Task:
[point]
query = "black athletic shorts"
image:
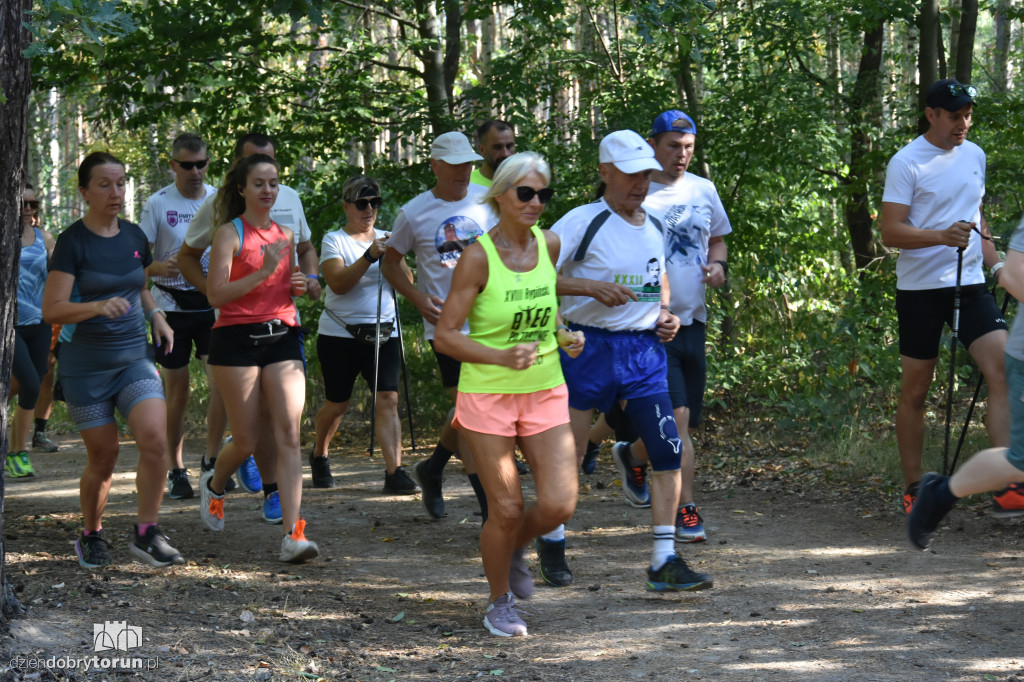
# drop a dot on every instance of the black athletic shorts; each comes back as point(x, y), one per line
point(449, 366)
point(189, 328)
point(688, 369)
point(922, 314)
point(343, 359)
point(232, 347)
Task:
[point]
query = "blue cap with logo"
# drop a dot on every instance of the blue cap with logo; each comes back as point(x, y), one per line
point(673, 121)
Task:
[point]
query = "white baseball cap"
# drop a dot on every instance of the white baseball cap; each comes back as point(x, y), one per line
point(628, 152)
point(453, 148)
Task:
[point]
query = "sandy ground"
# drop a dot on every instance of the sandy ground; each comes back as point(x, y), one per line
point(813, 581)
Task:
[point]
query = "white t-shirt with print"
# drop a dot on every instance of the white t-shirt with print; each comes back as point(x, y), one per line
point(287, 212)
point(166, 217)
point(437, 231)
point(691, 213)
point(359, 304)
point(941, 186)
point(620, 253)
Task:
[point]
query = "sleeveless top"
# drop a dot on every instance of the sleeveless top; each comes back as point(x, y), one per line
point(271, 299)
point(513, 308)
point(32, 281)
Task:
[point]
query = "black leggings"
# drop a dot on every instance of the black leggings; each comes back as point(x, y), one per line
point(31, 353)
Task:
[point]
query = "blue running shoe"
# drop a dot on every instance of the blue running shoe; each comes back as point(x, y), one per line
point(676, 576)
point(689, 525)
point(634, 478)
point(272, 509)
point(249, 476)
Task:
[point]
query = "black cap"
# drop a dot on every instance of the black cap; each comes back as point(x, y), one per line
point(950, 94)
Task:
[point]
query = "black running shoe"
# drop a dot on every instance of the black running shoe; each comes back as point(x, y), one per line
point(553, 567)
point(321, 470)
point(676, 576)
point(399, 483)
point(589, 464)
point(42, 443)
point(522, 468)
point(430, 484)
point(154, 548)
point(927, 512)
point(178, 485)
point(93, 551)
point(204, 465)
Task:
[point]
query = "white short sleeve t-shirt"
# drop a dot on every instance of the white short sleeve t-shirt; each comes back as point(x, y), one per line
point(287, 212)
point(692, 213)
point(166, 217)
point(437, 231)
point(359, 304)
point(941, 187)
point(620, 253)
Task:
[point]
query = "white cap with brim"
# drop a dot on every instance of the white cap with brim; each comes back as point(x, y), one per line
point(453, 148)
point(628, 152)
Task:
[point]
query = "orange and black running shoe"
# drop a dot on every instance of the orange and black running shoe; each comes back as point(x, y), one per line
point(910, 496)
point(1009, 502)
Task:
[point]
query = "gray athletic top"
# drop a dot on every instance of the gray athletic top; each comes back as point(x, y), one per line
point(1015, 344)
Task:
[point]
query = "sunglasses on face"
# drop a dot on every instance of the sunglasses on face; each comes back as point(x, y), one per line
point(361, 204)
point(526, 194)
point(956, 90)
point(189, 165)
point(34, 205)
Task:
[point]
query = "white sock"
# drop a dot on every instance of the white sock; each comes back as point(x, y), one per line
point(664, 545)
point(557, 535)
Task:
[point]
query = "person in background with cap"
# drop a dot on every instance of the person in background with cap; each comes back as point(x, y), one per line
point(437, 225)
point(931, 208)
point(606, 247)
point(695, 258)
point(496, 141)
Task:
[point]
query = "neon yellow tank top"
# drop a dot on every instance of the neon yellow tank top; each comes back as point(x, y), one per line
point(513, 308)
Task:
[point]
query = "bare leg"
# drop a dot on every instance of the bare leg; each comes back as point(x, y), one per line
point(101, 444)
point(551, 456)
point(176, 389)
point(389, 430)
point(148, 422)
point(216, 415)
point(917, 379)
point(240, 388)
point(579, 423)
point(988, 470)
point(988, 352)
point(283, 387)
point(328, 419)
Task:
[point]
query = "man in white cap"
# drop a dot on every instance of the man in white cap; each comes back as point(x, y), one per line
point(603, 264)
point(437, 225)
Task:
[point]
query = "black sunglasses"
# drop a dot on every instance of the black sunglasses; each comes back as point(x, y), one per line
point(361, 204)
point(526, 194)
point(189, 165)
point(31, 204)
point(956, 90)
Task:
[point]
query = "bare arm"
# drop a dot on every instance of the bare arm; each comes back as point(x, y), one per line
point(605, 292)
point(898, 233)
point(58, 308)
point(341, 276)
point(164, 268)
point(191, 267)
point(399, 277)
point(309, 265)
point(1011, 277)
point(714, 271)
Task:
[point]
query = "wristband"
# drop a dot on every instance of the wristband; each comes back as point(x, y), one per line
point(994, 270)
point(369, 259)
point(154, 311)
point(561, 327)
point(312, 276)
point(725, 266)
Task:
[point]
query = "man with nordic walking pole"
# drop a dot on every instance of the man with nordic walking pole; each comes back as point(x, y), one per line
point(931, 211)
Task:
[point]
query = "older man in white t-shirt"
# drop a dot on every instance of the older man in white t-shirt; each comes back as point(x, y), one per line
point(437, 225)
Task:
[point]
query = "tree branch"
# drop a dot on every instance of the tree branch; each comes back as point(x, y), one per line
point(377, 10)
point(604, 44)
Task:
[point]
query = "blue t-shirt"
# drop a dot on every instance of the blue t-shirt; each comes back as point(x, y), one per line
point(104, 267)
point(1015, 344)
point(32, 281)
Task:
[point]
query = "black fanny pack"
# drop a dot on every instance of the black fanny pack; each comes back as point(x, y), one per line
point(266, 333)
point(186, 299)
point(366, 333)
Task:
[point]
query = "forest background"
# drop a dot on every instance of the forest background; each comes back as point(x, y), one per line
point(799, 105)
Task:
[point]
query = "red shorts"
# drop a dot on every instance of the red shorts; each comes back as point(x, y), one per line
point(512, 414)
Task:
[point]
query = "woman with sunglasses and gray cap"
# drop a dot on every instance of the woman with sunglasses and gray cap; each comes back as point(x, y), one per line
point(511, 390)
point(358, 304)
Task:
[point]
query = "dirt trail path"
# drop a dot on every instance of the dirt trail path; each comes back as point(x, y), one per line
point(810, 584)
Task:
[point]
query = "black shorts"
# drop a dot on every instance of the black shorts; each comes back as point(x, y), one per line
point(189, 328)
point(922, 313)
point(233, 347)
point(343, 359)
point(688, 370)
point(449, 366)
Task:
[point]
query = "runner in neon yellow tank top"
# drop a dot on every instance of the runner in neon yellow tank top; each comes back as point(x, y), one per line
point(511, 389)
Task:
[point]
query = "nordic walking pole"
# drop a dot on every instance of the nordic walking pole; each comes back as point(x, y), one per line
point(955, 328)
point(977, 392)
point(376, 361)
point(405, 373)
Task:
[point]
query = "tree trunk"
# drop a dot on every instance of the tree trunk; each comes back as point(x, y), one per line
point(865, 109)
point(964, 45)
point(15, 86)
point(1001, 53)
point(438, 103)
point(927, 55)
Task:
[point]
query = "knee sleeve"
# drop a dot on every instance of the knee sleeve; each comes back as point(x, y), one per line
point(652, 418)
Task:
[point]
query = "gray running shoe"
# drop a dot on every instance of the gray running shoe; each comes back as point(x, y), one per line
point(502, 619)
point(295, 548)
point(519, 579)
point(211, 505)
point(154, 548)
point(634, 478)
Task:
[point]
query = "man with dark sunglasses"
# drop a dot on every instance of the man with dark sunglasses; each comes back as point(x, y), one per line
point(165, 220)
point(931, 211)
point(437, 225)
point(496, 141)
